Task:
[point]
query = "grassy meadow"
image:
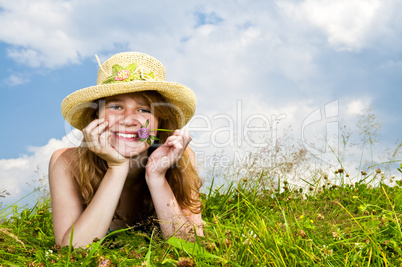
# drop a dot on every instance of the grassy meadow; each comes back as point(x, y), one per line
point(245, 225)
point(258, 214)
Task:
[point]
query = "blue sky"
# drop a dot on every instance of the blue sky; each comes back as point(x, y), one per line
point(276, 57)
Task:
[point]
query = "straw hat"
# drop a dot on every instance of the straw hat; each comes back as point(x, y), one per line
point(124, 73)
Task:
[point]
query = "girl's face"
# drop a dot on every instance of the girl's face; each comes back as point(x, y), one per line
point(126, 114)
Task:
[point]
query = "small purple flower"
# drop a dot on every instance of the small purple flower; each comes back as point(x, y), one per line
point(143, 133)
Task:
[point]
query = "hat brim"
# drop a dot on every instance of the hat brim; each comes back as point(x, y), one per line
point(76, 106)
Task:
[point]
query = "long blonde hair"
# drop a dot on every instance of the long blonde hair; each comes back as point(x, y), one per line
point(182, 176)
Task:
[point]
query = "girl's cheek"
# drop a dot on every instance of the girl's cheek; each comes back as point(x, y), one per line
point(113, 119)
point(153, 122)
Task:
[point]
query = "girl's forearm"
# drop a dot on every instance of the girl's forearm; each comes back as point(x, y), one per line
point(96, 218)
point(171, 217)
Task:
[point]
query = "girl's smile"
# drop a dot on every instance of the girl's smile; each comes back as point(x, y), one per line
point(127, 136)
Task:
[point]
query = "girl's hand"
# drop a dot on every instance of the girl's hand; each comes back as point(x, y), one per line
point(169, 153)
point(97, 137)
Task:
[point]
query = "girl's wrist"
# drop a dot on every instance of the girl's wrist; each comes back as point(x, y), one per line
point(123, 162)
point(154, 179)
point(123, 166)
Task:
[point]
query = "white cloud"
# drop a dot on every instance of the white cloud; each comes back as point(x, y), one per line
point(348, 24)
point(19, 176)
point(357, 107)
point(54, 33)
point(16, 79)
point(61, 32)
point(345, 22)
point(39, 32)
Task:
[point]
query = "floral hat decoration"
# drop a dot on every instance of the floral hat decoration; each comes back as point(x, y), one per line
point(123, 73)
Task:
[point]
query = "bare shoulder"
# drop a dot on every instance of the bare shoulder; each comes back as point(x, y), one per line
point(63, 161)
point(65, 153)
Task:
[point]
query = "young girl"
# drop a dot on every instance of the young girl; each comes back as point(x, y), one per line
point(121, 176)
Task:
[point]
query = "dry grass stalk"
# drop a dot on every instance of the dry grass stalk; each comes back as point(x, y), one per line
point(5, 231)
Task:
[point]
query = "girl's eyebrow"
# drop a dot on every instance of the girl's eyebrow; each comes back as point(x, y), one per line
point(140, 101)
point(113, 100)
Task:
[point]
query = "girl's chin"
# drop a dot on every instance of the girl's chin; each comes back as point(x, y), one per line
point(130, 152)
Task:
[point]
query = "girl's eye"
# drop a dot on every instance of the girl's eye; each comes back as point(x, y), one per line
point(115, 107)
point(144, 110)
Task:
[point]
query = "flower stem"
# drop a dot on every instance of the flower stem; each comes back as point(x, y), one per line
point(161, 130)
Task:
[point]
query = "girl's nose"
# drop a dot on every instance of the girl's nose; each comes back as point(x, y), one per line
point(131, 121)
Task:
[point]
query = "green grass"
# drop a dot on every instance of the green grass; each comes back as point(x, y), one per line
point(244, 226)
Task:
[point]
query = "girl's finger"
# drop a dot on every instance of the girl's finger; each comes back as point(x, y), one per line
point(178, 132)
point(172, 139)
point(187, 137)
point(93, 137)
point(177, 143)
point(101, 128)
point(93, 124)
point(104, 139)
point(181, 132)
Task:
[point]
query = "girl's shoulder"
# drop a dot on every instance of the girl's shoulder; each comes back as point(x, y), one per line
point(65, 159)
point(67, 155)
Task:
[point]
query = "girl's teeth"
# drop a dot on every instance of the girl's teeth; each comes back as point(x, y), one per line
point(127, 135)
